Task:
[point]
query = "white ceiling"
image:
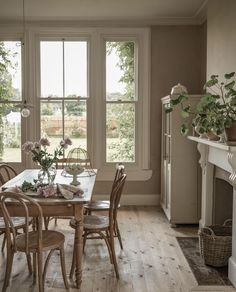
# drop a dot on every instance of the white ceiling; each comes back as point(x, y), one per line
point(153, 11)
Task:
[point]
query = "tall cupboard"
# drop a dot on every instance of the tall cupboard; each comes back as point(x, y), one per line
point(180, 197)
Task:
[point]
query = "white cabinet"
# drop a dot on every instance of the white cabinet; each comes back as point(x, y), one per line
point(179, 169)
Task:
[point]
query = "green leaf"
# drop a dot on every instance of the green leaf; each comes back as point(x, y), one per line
point(184, 129)
point(168, 109)
point(230, 85)
point(211, 83)
point(184, 114)
point(229, 75)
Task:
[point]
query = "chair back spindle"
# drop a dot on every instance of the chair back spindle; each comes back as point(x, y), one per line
point(115, 197)
point(24, 203)
point(6, 173)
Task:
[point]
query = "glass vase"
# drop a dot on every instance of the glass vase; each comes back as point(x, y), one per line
point(46, 176)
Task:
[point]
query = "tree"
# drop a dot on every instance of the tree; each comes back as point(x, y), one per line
point(6, 88)
point(125, 52)
point(121, 123)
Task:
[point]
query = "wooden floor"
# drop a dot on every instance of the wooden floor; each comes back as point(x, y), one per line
point(150, 262)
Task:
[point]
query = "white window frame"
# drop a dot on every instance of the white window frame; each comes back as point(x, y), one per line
point(96, 130)
point(65, 38)
point(140, 170)
point(11, 36)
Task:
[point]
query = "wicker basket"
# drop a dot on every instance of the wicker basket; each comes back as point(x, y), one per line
point(216, 244)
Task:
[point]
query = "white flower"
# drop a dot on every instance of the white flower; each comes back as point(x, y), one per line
point(68, 141)
point(37, 145)
point(28, 146)
point(44, 142)
point(63, 144)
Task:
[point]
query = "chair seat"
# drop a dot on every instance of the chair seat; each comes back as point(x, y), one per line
point(98, 205)
point(93, 222)
point(50, 240)
point(18, 222)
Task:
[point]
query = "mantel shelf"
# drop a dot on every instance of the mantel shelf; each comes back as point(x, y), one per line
point(215, 144)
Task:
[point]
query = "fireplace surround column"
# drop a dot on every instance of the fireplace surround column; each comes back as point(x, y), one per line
point(224, 156)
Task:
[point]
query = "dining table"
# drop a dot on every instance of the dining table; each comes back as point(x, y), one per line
point(59, 206)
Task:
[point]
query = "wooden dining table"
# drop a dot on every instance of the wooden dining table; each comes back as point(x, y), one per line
point(59, 206)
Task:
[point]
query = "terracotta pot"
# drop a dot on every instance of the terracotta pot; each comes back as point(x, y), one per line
point(230, 133)
point(212, 136)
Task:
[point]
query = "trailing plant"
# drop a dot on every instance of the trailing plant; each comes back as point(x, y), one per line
point(216, 109)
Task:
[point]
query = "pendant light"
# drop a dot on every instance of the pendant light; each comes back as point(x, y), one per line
point(25, 107)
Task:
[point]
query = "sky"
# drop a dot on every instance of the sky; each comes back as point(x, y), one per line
point(75, 70)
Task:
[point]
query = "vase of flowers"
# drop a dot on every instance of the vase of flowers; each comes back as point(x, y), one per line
point(46, 160)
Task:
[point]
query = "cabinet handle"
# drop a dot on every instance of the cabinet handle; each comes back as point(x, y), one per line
point(69, 205)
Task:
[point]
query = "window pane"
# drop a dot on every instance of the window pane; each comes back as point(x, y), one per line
point(76, 123)
point(76, 69)
point(51, 123)
point(120, 133)
point(51, 65)
point(120, 71)
point(10, 133)
point(10, 71)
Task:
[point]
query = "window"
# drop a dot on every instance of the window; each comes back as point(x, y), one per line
point(10, 95)
point(93, 86)
point(63, 91)
point(121, 101)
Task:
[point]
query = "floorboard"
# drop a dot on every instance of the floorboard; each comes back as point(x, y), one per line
point(151, 261)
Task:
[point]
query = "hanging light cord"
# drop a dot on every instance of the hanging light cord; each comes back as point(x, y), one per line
point(23, 7)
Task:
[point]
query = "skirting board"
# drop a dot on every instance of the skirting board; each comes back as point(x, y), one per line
point(134, 199)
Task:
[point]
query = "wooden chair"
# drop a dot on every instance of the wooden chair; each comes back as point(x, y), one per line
point(103, 225)
point(36, 241)
point(73, 157)
point(104, 205)
point(6, 173)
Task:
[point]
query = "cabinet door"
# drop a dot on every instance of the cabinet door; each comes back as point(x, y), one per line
point(166, 159)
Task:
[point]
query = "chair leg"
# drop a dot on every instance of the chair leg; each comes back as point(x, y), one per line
point(4, 241)
point(46, 222)
point(55, 221)
point(111, 241)
point(34, 268)
point(28, 257)
point(63, 266)
point(118, 234)
point(106, 238)
point(10, 255)
point(40, 271)
point(46, 264)
point(72, 269)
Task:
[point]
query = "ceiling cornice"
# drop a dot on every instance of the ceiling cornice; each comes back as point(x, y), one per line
point(111, 23)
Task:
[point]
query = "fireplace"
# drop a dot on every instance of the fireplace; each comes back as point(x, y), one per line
point(218, 196)
point(222, 208)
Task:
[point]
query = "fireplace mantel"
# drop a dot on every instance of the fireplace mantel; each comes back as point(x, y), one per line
point(223, 156)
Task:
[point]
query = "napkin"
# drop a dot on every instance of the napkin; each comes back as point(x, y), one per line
point(69, 191)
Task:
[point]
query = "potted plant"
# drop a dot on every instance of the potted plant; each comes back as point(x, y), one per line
point(216, 110)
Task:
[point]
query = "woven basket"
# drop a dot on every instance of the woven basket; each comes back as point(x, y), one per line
point(216, 244)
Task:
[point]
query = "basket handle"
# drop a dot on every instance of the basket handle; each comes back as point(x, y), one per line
point(228, 222)
point(209, 229)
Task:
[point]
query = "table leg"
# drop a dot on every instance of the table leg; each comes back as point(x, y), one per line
point(78, 244)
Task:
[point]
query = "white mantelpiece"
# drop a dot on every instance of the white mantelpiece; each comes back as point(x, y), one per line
point(224, 156)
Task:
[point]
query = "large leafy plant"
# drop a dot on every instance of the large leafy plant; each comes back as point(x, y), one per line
point(216, 109)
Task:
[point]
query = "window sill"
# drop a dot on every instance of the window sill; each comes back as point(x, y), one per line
point(132, 175)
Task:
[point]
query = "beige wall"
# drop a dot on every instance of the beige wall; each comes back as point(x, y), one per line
point(177, 55)
point(221, 37)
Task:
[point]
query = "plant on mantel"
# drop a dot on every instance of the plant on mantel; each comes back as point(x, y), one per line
point(216, 110)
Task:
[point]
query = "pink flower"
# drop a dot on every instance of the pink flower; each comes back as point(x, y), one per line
point(28, 146)
point(44, 142)
point(68, 141)
point(63, 144)
point(37, 145)
point(47, 191)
